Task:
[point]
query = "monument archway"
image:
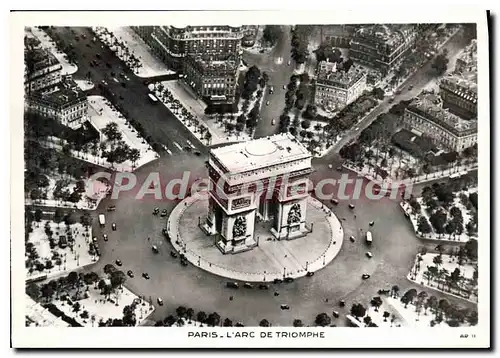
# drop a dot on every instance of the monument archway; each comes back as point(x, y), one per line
point(266, 179)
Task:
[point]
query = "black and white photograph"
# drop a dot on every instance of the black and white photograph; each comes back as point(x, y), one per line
point(250, 179)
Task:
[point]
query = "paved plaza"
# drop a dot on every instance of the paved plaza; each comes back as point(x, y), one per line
point(271, 259)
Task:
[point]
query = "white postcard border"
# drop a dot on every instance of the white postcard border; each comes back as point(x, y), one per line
point(178, 337)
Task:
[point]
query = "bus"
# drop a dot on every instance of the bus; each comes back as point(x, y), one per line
point(369, 238)
point(102, 220)
point(152, 98)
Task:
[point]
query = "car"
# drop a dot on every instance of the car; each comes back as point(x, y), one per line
point(156, 211)
point(267, 103)
point(288, 279)
point(105, 236)
point(372, 222)
point(351, 206)
point(145, 275)
point(391, 99)
point(184, 263)
point(97, 55)
point(97, 251)
point(248, 285)
point(271, 90)
point(173, 254)
point(111, 208)
point(365, 276)
point(410, 87)
point(118, 262)
point(113, 226)
point(335, 314)
point(263, 287)
point(232, 285)
point(284, 86)
point(160, 301)
point(288, 63)
point(309, 274)
point(121, 97)
point(339, 169)
point(104, 82)
point(130, 273)
point(276, 294)
point(352, 238)
point(285, 307)
point(384, 292)
point(123, 84)
point(277, 280)
point(164, 212)
point(94, 239)
point(342, 303)
point(369, 255)
point(398, 91)
point(154, 248)
point(197, 152)
point(273, 121)
point(356, 128)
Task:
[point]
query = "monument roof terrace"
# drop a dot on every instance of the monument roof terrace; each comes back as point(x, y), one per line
point(260, 153)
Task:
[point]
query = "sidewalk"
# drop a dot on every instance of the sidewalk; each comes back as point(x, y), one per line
point(46, 41)
point(149, 66)
point(415, 180)
point(186, 98)
point(296, 266)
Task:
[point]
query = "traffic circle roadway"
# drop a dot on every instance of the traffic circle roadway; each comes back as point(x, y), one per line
point(393, 249)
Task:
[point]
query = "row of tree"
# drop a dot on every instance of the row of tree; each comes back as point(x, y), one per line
point(442, 309)
point(300, 41)
point(184, 314)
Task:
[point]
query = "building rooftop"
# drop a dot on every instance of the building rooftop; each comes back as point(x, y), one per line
point(389, 34)
point(40, 57)
point(330, 74)
point(462, 84)
point(441, 116)
point(206, 64)
point(469, 54)
point(64, 92)
point(260, 153)
point(37, 315)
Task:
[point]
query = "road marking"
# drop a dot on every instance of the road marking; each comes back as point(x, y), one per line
point(167, 150)
point(178, 146)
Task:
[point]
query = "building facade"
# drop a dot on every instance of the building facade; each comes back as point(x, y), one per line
point(41, 70)
point(459, 94)
point(382, 46)
point(172, 44)
point(444, 128)
point(264, 179)
point(335, 88)
point(215, 81)
point(65, 102)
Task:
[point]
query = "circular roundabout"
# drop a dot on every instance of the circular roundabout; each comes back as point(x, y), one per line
point(271, 260)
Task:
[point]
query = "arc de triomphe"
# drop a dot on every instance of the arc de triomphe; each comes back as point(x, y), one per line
point(265, 179)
